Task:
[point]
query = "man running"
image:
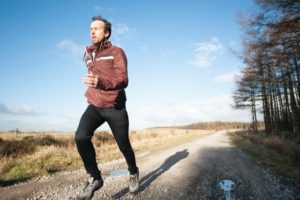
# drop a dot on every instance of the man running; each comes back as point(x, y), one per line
point(106, 80)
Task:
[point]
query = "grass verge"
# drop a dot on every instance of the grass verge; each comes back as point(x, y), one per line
point(279, 154)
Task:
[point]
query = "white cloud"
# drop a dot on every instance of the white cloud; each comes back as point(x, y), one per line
point(205, 53)
point(26, 118)
point(208, 109)
point(216, 108)
point(20, 110)
point(70, 48)
point(122, 31)
point(39, 123)
point(227, 77)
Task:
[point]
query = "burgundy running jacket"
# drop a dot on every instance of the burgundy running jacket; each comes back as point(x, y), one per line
point(110, 64)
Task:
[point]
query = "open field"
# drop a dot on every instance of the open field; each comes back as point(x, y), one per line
point(28, 155)
point(207, 167)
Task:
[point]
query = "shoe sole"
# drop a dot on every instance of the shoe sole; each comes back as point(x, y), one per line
point(90, 196)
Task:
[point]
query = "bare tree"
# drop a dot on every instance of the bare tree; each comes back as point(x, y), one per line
point(271, 53)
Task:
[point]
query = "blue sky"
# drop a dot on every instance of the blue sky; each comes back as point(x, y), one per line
point(179, 63)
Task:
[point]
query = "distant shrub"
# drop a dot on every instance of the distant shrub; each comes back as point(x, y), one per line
point(219, 125)
point(255, 139)
point(153, 135)
point(28, 144)
point(275, 143)
point(68, 142)
point(280, 146)
point(103, 137)
point(47, 140)
point(15, 148)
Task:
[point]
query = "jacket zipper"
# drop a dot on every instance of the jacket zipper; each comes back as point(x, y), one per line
point(89, 56)
point(100, 51)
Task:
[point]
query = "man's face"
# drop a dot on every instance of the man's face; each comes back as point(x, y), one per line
point(97, 31)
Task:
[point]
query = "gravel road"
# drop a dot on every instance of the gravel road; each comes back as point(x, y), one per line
point(209, 167)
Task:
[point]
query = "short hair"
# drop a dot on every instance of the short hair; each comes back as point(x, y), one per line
point(106, 22)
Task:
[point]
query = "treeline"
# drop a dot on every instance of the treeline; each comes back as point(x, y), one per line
point(218, 125)
point(270, 82)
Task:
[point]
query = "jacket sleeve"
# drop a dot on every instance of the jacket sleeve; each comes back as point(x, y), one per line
point(120, 78)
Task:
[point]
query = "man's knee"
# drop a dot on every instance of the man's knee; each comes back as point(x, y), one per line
point(82, 137)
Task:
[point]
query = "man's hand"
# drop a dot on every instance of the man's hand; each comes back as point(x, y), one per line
point(91, 80)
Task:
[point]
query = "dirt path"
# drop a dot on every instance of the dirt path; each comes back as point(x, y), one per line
point(210, 167)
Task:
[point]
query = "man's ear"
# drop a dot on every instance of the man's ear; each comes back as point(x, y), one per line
point(106, 34)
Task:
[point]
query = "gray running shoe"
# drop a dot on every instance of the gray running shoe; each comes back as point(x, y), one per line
point(89, 189)
point(134, 183)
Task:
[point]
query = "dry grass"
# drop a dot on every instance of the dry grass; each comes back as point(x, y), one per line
point(280, 154)
point(28, 144)
point(283, 147)
point(31, 154)
point(221, 125)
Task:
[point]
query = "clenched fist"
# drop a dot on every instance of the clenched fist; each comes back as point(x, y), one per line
point(91, 80)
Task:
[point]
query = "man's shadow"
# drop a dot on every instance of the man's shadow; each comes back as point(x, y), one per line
point(149, 178)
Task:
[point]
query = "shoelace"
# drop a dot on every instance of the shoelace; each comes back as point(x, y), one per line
point(133, 178)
